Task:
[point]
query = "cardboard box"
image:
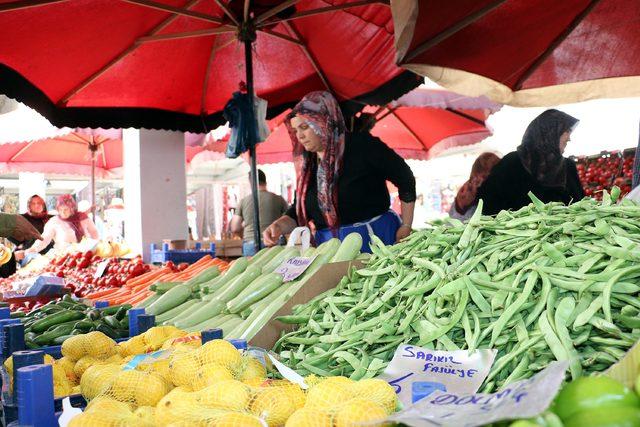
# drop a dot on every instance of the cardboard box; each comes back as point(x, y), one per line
point(327, 277)
point(228, 248)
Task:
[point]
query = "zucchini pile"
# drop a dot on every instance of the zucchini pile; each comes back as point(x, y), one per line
point(56, 321)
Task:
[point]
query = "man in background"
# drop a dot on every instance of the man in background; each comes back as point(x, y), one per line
point(272, 207)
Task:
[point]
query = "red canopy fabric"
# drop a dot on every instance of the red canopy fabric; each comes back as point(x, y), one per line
point(70, 155)
point(173, 64)
point(523, 53)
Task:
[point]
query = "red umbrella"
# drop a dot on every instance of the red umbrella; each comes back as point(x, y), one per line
point(173, 64)
point(523, 53)
point(420, 125)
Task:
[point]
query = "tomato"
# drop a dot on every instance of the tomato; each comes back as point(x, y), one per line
point(593, 393)
point(170, 264)
point(183, 266)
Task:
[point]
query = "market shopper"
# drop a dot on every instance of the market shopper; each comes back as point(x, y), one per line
point(537, 166)
point(466, 200)
point(69, 227)
point(341, 178)
point(272, 207)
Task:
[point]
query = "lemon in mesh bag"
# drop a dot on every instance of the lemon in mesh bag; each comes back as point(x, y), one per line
point(94, 344)
point(105, 412)
point(250, 369)
point(159, 367)
point(155, 337)
point(138, 388)
point(96, 379)
point(237, 419)
point(228, 394)
point(191, 340)
point(360, 413)
point(295, 393)
point(310, 417)
point(68, 366)
point(84, 363)
point(330, 393)
point(145, 416)
point(273, 405)
point(377, 391)
point(183, 367)
point(132, 346)
point(209, 374)
point(180, 407)
point(220, 352)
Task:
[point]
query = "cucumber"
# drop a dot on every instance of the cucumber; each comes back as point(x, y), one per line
point(186, 313)
point(42, 325)
point(173, 298)
point(109, 311)
point(83, 325)
point(170, 314)
point(108, 331)
point(258, 289)
point(238, 284)
point(111, 321)
point(61, 339)
point(48, 337)
point(281, 257)
point(203, 312)
point(349, 248)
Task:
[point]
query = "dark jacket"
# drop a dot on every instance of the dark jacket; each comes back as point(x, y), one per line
point(507, 187)
point(368, 163)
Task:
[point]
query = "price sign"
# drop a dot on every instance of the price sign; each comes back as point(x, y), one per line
point(293, 268)
point(102, 267)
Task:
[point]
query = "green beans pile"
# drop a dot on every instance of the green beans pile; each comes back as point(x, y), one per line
point(547, 282)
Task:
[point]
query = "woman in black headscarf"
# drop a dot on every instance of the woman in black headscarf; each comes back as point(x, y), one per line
point(537, 166)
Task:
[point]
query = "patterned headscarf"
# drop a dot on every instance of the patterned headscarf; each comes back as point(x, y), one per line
point(76, 217)
point(321, 111)
point(540, 148)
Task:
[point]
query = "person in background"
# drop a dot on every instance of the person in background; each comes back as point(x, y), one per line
point(341, 178)
point(537, 165)
point(466, 200)
point(69, 227)
point(271, 206)
point(37, 215)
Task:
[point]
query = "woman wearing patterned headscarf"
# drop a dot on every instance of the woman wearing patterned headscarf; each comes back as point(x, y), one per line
point(341, 178)
point(69, 227)
point(537, 166)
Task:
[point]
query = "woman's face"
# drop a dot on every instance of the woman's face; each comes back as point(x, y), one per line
point(564, 140)
point(36, 205)
point(306, 136)
point(64, 211)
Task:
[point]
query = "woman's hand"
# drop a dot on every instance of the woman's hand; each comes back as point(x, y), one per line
point(19, 255)
point(272, 234)
point(403, 232)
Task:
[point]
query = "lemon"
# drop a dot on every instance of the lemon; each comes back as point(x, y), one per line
point(378, 391)
point(236, 419)
point(75, 347)
point(273, 405)
point(309, 417)
point(210, 374)
point(359, 411)
point(251, 369)
point(149, 391)
point(221, 352)
point(97, 379)
point(183, 368)
point(83, 364)
point(105, 404)
point(329, 393)
point(98, 345)
point(227, 394)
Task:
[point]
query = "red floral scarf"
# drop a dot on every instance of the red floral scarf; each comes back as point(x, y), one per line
point(322, 112)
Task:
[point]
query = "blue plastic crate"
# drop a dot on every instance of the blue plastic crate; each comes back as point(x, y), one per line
point(189, 256)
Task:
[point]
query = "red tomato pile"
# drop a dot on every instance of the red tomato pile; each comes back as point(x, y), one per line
point(604, 171)
point(79, 269)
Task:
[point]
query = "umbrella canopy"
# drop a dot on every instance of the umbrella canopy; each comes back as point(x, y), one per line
point(70, 154)
point(173, 64)
point(419, 125)
point(523, 53)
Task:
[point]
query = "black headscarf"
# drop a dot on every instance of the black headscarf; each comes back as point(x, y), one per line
point(539, 151)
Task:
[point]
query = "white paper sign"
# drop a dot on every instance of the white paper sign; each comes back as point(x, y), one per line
point(293, 268)
point(522, 399)
point(417, 372)
point(102, 267)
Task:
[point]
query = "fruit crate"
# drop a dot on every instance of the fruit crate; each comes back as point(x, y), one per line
point(160, 256)
point(35, 404)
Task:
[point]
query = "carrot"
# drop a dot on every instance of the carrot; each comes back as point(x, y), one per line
point(147, 276)
point(140, 297)
point(98, 294)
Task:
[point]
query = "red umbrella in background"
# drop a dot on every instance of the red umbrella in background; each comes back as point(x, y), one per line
point(523, 53)
point(419, 125)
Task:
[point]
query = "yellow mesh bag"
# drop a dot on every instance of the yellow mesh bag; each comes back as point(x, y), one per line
point(359, 412)
point(250, 369)
point(310, 417)
point(237, 419)
point(137, 388)
point(68, 367)
point(132, 346)
point(330, 393)
point(95, 344)
point(210, 374)
point(230, 395)
point(220, 352)
point(377, 391)
point(97, 379)
point(273, 405)
point(155, 337)
point(183, 367)
point(104, 412)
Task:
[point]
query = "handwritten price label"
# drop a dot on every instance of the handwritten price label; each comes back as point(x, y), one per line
point(293, 268)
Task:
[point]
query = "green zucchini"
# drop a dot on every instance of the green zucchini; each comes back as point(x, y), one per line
point(281, 257)
point(204, 311)
point(238, 284)
point(55, 319)
point(173, 298)
point(257, 290)
point(349, 248)
point(146, 303)
point(268, 256)
point(185, 314)
point(170, 314)
point(204, 276)
point(236, 268)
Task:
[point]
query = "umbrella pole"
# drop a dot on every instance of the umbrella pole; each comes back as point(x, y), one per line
point(248, 36)
point(93, 148)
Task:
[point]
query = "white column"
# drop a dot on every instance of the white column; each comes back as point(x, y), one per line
point(30, 184)
point(155, 188)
